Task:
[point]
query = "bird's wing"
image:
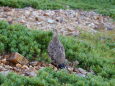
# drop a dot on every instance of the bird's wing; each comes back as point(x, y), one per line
point(50, 51)
point(62, 48)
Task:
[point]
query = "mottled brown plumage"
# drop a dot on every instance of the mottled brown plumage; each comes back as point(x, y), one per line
point(56, 50)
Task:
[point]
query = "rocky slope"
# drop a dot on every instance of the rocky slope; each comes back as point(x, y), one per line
point(68, 22)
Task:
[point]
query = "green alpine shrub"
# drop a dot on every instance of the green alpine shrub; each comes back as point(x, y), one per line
point(93, 51)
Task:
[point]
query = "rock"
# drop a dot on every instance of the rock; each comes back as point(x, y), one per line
point(63, 19)
point(39, 18)
point(18, 65)
point(108, 28)
point(6, 56)
point(34, 13)
point(1, 68)
point(10, 13)
point(27, 13)
point(55, 68)
point(24, 67)
point(59, 19)
point(8, 67)
point(17, 58)
point(45, 14)
point(1, 64)
point(6, 9)
point(92, 25)
point(5, 73)
point(3, 61)
point(32, 74)
point(50, 21)
point(99, 26)
point(22, 21)
point(82, 71)
point(15, 69)
point(81, 75)
point(34, 63)
point(76, 70)
point(38, 23)
point(92, 31)
point(70, 69)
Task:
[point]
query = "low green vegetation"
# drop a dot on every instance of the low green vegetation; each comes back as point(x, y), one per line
point(17, 38)
point(48, 77)
point(93, 51)
point(105, 7)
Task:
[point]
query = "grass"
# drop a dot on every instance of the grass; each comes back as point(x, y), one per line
point(105, 7)
point(49, 77)
point(93, 51)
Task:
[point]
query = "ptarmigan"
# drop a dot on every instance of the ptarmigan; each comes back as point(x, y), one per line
point(56, 51)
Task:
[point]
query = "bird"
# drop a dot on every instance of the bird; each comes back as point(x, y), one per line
point(56, 51)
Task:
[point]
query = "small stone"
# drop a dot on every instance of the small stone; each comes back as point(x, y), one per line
point(35, 13)
point(76, 70)
point(22, 21)
point(92, 31)
point(38, 23)
point(10, 13)
point(6, 56)
point(16, 69)
point(50, 21)
point(4, 61)
point(39, 18)
point(8, 67)
point(17, 58)
point(27, 13)
point(1, 67)
point(5, 73)
point(34, 63)
point(82, 71)
point(99, 26)
point(1, 64)
point(18, 65)
point(30, 66)
point(55, 68)
point(108, 28)
point(91, 25)
point(70, 29)
point(45, 14)
point(70, 69)
point(25, 67)
point(32, 74)
point(6, 9)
